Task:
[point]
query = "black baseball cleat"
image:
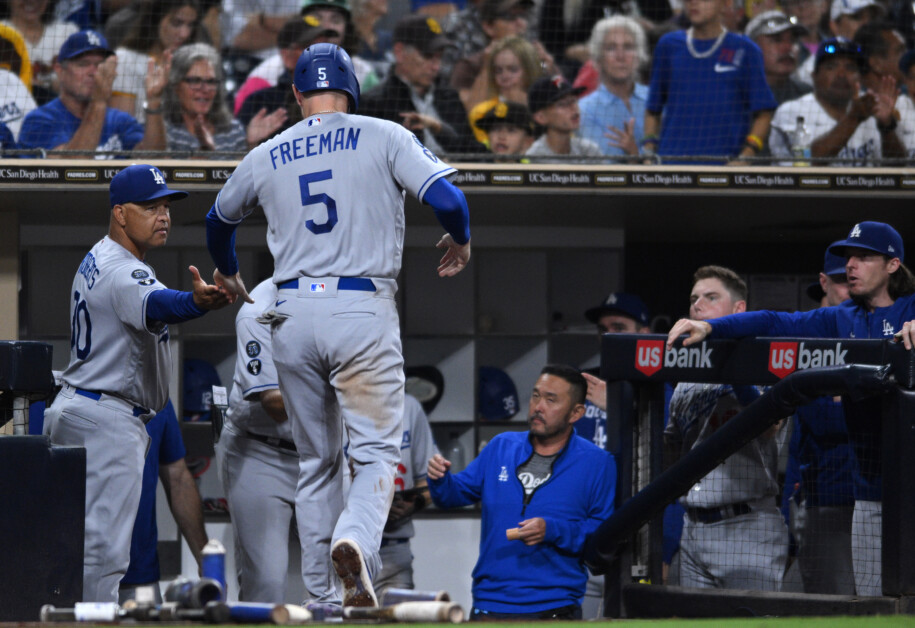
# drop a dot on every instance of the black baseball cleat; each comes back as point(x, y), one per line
point(350, 566)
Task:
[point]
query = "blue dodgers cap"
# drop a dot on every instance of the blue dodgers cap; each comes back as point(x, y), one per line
point(620, 303)
point(833, 266)
point(872, 236)
point(498, 395)
point(82, 42)
point(138, 183)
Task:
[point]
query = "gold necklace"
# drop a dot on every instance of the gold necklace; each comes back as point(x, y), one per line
point(317, 112)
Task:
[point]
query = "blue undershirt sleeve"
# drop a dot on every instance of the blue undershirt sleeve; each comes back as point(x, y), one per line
point(221, 243)
point(172, 306)
point(450, 207)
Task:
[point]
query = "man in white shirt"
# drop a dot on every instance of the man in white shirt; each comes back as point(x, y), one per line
point(857, 126)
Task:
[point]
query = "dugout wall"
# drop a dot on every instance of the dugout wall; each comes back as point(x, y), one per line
point(877, 374)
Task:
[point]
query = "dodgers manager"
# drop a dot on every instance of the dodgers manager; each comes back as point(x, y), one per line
point(332, 188)
point(120, 362)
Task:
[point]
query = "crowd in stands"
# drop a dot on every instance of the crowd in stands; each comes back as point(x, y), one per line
point(795, 82)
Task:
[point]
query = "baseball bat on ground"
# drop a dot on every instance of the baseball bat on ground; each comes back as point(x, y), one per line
point(394, 595)
point(258, 613)
point(421, 612)
point(298, 614)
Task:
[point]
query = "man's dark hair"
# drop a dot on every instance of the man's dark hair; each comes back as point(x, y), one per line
point(579, 387)
point(732, 282)
point(871, 41)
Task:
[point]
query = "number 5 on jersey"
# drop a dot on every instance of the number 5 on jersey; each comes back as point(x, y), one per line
point(312, 199)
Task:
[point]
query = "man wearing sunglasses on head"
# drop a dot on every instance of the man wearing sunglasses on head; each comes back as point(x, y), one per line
point(844, 121)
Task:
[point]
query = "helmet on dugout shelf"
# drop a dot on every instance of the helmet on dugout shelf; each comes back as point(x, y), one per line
point(327, 67)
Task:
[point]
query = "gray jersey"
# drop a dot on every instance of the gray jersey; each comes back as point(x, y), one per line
point(316, 218)
point(254, 369)
point(113, 347)
point(415, 450)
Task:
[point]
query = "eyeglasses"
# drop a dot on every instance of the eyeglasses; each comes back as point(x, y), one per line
point(197, 82)
point(842, 48)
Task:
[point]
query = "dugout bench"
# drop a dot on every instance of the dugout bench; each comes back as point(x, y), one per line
point(42, 495)
point(875, 378)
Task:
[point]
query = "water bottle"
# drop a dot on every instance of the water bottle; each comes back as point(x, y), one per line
point(455, 452)
point(214, 562)
point(800, 143)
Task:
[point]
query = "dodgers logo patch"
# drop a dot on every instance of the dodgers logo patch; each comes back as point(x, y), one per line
point(139, 274)
point(317, 287)
point(254, 367)
point(253, 349)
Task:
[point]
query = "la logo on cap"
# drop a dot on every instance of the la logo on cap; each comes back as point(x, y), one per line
point(855, 232)
point(93, 38)
point(157, 176)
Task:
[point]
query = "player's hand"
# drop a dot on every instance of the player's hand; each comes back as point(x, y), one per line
point(264, 124)
point(438, 466)
point(104, 79)
point(696, 330)
point(400, 510)
point(206, 296)
point(233, 286)
point(906, 335)
point(862, 104)
point(455, 258)
point(597, 391)
point(532, 531)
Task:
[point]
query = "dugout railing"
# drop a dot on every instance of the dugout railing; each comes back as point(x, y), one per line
point(875, 378)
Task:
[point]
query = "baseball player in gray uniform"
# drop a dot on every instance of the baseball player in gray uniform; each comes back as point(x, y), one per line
point(257, 459)
point(119, 367)
point(412, 495)
point(733, 536)
point(332, 189)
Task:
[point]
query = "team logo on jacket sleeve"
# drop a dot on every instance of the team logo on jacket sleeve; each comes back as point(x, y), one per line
point(254, 367)
point(253, 349)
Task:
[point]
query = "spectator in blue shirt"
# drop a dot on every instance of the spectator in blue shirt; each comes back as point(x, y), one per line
point(710, 86)
point(613, 116)
point(80, 118)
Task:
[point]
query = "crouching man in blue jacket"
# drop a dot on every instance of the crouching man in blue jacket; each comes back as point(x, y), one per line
point(542, 492)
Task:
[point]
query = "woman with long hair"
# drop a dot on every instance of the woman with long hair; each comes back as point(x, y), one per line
point(197, 117)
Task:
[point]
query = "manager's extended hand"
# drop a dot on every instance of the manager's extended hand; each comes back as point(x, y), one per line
point(696, 331)
point(206, 296)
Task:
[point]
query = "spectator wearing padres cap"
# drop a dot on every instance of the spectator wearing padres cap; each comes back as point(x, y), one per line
point(411, 95)
point(857, 127)
point(777, 37)
point(80, 118)
point(554, 104)
point(510, 130)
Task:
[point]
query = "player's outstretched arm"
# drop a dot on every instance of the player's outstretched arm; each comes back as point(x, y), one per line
point(455, 258)
point(207, 296)
point(437, 467)
point(233, 286)
point(696, 330)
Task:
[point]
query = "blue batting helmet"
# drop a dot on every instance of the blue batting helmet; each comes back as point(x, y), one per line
point(327, 66)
